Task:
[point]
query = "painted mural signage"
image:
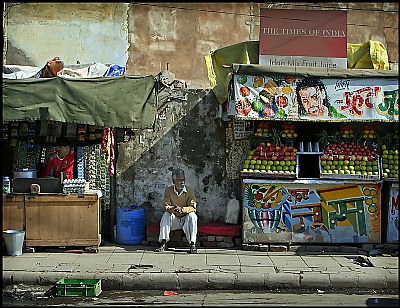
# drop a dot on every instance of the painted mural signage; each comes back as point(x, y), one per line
point(393, 215)
point(312, 213)
point(313, 98)
point(243, 129)
point(310, 38)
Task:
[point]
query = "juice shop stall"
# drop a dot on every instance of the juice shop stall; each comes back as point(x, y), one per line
point(322, 147)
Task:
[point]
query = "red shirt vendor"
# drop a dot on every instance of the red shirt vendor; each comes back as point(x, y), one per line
point(60, 161)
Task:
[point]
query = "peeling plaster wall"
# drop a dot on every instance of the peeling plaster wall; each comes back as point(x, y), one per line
point(189, 135)
point(181, 34)
point(85, 32)
point(158, 33)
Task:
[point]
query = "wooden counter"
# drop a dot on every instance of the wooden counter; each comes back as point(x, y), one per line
point(58, 220)
point(13, 212)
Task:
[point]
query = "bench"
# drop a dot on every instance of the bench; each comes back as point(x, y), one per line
point(215, 234)
point(215, 228)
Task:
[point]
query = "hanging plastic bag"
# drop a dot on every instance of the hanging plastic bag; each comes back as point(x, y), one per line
point(232, 211)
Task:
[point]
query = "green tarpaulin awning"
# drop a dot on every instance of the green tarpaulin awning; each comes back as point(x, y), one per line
point(124, 101)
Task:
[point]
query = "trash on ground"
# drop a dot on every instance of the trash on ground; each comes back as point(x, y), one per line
point(320, 291)
point(363, 261)
point(170, 293)
point(135, 266)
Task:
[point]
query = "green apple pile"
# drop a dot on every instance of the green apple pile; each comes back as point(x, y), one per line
point(288, 131)
point(347, 131)
point(390, 162)
point(368, 132)
point(263, 129)
point(271, 158)
point(349, 158)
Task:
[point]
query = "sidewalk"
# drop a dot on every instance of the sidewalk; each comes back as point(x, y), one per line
point(139, 268)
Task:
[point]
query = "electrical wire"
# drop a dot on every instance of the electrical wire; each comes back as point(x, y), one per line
point(258, 15)
point(9, 7)
point(278, 3)
point(232, 35)
point(347, 9)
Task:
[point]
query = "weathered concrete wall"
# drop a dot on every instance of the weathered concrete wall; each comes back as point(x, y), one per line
point(187, 134)
point(147, 36)
point(183, 33)
point(85, 32)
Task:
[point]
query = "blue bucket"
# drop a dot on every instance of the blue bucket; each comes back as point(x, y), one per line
point(130, 225)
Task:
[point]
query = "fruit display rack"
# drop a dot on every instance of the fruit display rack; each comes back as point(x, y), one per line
point(265, 175)
point(390, 162)
point(350, 160)
point(351, 176)
point(348, 154)
point(269, 157)
point(270, 160)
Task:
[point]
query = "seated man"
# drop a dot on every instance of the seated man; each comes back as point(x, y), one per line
point(180, 212)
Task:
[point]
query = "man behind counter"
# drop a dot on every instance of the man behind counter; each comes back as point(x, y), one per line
point(60, 161)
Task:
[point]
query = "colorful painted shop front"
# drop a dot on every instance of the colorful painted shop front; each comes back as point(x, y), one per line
point(393, 214)
point(311, 211)
point(322, 146)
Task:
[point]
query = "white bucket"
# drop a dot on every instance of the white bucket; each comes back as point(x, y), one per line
point(14, 240)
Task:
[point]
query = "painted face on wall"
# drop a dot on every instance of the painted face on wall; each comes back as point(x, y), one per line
point(312, 99)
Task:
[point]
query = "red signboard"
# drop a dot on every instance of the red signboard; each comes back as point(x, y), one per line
point(303, 38)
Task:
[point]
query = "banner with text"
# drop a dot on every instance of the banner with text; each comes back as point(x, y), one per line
point(310, 38)
point(313, 98)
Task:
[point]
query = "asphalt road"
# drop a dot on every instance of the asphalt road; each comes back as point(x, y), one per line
point(33, 296)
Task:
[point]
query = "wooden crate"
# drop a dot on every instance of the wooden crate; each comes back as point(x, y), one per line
point(13, 212)
point(62, 220)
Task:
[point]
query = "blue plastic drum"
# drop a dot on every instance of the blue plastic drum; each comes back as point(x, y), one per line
point(130, 225)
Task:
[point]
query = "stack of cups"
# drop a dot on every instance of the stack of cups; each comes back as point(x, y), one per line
point(301, 146)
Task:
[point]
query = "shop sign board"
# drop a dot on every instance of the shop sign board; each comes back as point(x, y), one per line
point(276, 212)
point(243, 129)
point(311, 38)
point(279, 96)
point(393, 214)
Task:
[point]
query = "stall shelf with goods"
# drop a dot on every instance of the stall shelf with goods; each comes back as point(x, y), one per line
point(32, 198)
point(89, 117)
point(323, 145)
